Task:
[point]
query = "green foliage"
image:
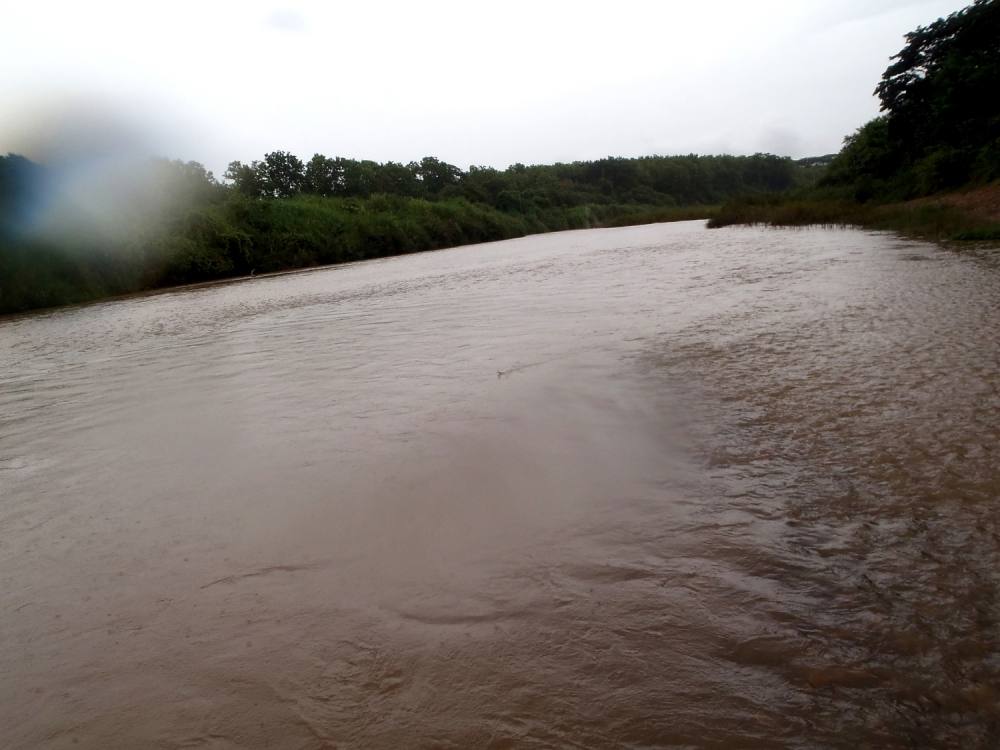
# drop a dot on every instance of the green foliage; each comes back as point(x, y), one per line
point(279, 175)
point(867, 161)
point(941, 127)
point(245, 178)
point(941, 89)
point(654, 180)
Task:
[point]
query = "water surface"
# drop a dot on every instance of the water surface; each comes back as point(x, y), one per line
point(632, 487)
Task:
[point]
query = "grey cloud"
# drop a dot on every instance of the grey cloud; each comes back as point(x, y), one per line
point(777, 140)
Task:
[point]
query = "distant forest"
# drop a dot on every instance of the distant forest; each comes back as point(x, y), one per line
point(650, 181)
point(172, 222)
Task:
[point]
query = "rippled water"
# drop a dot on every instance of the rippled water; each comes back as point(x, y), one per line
point(615, 488)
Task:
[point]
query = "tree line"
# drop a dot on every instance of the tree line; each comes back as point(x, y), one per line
point(651, 180)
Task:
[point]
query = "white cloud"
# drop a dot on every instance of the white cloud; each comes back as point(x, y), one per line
point(486, 83)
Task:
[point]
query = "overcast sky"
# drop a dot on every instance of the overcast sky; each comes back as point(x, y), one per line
point(473, 83)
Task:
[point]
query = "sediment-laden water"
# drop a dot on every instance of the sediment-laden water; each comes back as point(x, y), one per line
point(615, 488)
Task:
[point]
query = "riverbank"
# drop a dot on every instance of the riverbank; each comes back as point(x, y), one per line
point(971, 214)
point(238, 236)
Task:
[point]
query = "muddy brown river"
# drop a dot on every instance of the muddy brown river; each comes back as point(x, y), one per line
point(642, 487)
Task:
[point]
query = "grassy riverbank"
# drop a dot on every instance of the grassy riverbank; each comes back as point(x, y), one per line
point(232, 235)
point(243, 235)
point(972, 214)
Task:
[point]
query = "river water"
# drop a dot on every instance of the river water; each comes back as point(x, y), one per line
point(652, 486)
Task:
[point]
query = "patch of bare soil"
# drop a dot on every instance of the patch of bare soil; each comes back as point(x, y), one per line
point(980, 202)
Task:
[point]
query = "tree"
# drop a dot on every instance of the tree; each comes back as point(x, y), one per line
point(323, 176)
point(279, 175)
point(941, 90)
point(245, 178)
point(436, 175)
point(396, 179)
point(868, 159)
point(941, 126)
point(178, 183)
point(282, 174)
point(358, 177)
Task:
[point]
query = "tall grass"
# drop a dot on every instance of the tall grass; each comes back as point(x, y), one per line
point(236, 236)
point(923, 218)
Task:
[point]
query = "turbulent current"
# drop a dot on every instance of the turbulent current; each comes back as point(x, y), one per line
point(652, 486)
